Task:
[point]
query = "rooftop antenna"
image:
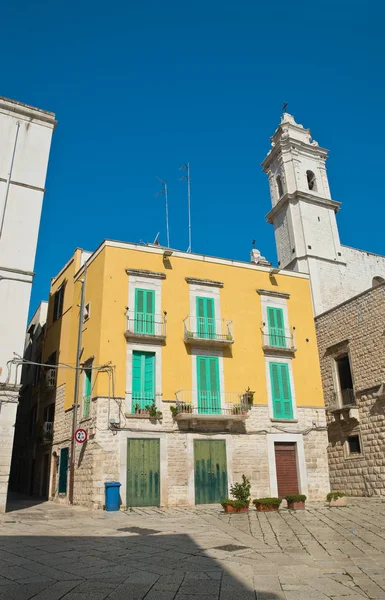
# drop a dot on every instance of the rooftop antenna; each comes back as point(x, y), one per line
point(155, 242)
point(186, 177)
point(164, 191)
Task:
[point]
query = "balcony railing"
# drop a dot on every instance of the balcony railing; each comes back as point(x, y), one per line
point(145, 325)
point(344, 398)
point(206, 403)
point(47, 429)
point(279, 339)
point(207, 330)
point(141, 401)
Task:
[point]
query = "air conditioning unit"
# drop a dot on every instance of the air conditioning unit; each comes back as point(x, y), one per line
point(47, 429)
point(50, 378)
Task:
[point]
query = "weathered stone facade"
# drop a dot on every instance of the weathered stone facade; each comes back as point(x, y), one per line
point(356, 327)
point(103, 457)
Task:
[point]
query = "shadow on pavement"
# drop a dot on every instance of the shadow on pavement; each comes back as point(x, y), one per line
point(133, 564)
point(16, 501)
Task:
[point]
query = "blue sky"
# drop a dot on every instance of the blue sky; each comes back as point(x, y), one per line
point(141, 88)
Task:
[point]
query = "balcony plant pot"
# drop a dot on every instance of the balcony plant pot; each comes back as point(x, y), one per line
point(230, 508)
point(295, 501)
point(267, 504)
point(336, 499)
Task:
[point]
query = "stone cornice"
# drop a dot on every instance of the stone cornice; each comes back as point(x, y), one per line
point(298, 195)
point(195, 281)
point(288, 143)
point(30, 112)
point(273, 293)
point(144, 273)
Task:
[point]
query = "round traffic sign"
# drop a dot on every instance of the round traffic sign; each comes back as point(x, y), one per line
point(81, 436)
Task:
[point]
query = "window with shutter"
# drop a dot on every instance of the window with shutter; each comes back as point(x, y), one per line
point(209, 401)
point(144, 311)
point(87, 393)
point(143, 379)
point(205, 312)
point(276, 327)
point(280, 391)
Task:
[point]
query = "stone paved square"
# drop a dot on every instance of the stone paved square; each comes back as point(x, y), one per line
point(53, 552)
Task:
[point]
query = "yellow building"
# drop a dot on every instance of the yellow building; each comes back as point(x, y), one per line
point(195, 370)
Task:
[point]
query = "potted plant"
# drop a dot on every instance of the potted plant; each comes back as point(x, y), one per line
point(229, 337)
point(249, 395)
point(337, 499)
point(241, 493)
point(189, 334)
point(267, 504)
point(152, 411)
point(174, 411)
point(295, 501)
point(136, 408)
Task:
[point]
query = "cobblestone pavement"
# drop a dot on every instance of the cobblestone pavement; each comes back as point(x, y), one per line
point(50, 552)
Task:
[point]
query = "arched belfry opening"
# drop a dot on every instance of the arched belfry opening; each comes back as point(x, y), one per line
point(311, 181)
point(279, 186)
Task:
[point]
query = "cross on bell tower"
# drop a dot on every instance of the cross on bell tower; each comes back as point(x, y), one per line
point(303, 213)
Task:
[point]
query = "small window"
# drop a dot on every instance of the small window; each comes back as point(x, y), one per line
point(279, 186)
point(345, 389)
point(354, 445)
point(87, 391)
point(58, 303)
point(311, 181)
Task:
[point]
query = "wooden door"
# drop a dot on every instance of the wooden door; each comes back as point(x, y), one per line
point(143, 472)
point(63, 470)
point(286, 467)
point(210, 471)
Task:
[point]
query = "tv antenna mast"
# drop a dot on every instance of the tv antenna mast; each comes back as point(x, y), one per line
point(186, 177)
point(164, 191)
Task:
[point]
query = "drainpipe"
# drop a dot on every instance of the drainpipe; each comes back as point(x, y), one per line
point(9, 179)
point(76, 391)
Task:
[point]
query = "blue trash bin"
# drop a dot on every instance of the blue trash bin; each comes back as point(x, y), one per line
point(112, 495)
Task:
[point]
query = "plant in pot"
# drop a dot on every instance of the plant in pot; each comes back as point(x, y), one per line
point(267, 504)
point(337, 499)
point(295, 501)
point(136, 408)
point(241, 495)
point(249, 396)
point(174, 411)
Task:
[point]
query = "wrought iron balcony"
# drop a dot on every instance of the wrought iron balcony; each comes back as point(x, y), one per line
point(278, 340)
point(344, 405)
point(148, 326)
point(47, 430)
point(141, 402)
point(207, 405)
point(204, 330)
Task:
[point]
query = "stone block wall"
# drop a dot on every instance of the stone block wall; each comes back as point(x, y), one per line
point(8, 409)
point(356, 327)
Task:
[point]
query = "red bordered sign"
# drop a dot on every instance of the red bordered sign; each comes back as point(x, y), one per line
point(81, 436)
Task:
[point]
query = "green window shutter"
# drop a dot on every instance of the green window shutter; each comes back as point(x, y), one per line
point(276, 327)
point(208, 385)
point(205, 312)
point(280, 391)
point(143, 379)
point(144, 311)
point(87, 393)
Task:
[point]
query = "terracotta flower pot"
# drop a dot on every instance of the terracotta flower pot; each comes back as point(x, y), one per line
point(233, 509)
point(296, 505)
point(339, 501)
point(267, 507)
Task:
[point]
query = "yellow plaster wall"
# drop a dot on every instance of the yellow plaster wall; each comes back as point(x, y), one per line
point(244, 365)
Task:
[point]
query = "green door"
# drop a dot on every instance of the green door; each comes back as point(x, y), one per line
point(143, 472)
point(210, 471)
point(276, 327)
point(209, 397)
point(63, 471)
point(205, 318)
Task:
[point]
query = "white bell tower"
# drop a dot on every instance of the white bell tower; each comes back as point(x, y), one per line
point(303, 213)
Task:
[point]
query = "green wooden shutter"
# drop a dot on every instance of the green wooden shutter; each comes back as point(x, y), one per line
point(87, 393)
point(276, 327)
point(208, 385)
point(144, 311)
point(205, 312)
point(63, 471)
point(143, 379)
point(280, 391)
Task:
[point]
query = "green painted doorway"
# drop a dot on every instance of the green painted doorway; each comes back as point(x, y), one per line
point(143, 472)
point(63, 471)
point(210, 471)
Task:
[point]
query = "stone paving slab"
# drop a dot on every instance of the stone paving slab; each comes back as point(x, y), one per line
point(55, 552)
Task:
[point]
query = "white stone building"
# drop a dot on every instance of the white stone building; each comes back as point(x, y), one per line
point(304, 219)
point(25, 139)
